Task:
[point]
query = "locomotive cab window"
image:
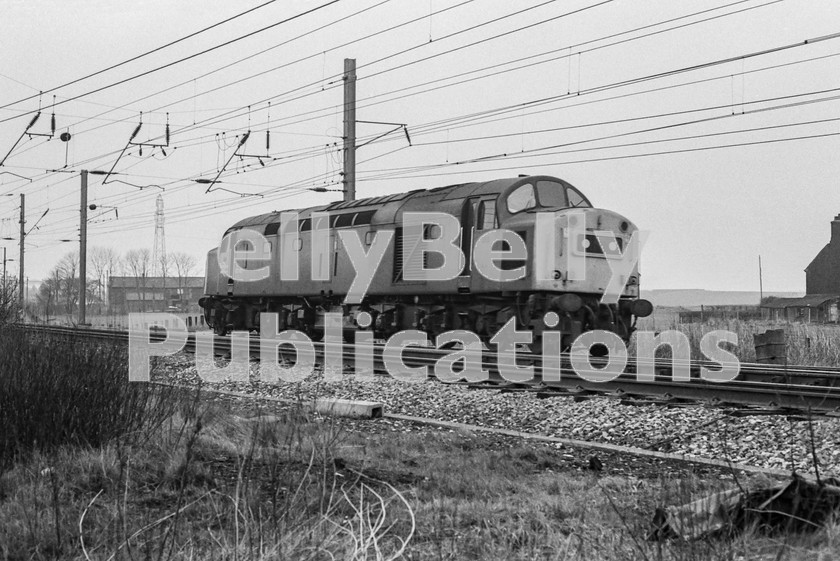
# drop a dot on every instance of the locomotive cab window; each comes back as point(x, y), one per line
point(551, 194)
point(548, 194)
point(522, 199)
point(576, 199)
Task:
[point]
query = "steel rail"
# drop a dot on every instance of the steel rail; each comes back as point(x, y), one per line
point(785, 388)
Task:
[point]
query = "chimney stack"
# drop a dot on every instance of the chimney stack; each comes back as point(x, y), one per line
point(835, 229)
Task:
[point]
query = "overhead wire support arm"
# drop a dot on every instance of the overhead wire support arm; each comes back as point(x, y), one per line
point(141, 187)
point(35, 226)
point(16, 175)
point(31, 134)
point(397, 126)
point(232, 156)
point(127, 144)
point(151, 144)
point(24, 133)
point(211, 182)
point(259, 157)
point(240, 194)
point(107, 210)
point(51, 134)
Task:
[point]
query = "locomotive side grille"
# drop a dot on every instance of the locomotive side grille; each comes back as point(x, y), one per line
point(398, 255)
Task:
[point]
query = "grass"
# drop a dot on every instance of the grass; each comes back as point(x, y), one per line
point(187, 477)
point(217, 485)
point(806, 343)
point(70, 391)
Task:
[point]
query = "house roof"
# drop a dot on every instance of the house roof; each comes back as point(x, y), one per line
point(807, 301)
point(827, 256)
point(155, 282)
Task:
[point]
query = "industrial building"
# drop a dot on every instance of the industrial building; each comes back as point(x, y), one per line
point(154, 294)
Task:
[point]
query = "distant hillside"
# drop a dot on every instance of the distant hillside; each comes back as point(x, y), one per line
point(694, 297)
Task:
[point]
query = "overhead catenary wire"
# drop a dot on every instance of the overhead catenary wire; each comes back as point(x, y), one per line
point(540, 154)
point(436, 13)
point(141, 55)
point(643, 27)
point(243, 59)
point(363, 105)
point(800, 137)
point(625, 156)
point(413, 172)
point(243, 110)
point(188, 57)
point(430, 128)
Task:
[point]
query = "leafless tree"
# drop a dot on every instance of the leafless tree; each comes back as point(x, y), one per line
point(59, 292)
point(49, 294)
point(184, 264)
point(163, 265)
point(105, 262)
point(66, 270)
point(138, 263)
point(9, 304)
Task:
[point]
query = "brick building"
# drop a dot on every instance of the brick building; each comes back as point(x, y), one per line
point(154, 294)
point(821, 302)
point(822, 276)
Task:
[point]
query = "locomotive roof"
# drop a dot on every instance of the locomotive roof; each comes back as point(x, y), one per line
point(449, 192)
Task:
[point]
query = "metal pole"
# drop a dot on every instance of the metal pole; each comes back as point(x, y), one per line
point(4, 276)
point(760, 283)
point(349, 180)
point(22, 235)
point(83, 249)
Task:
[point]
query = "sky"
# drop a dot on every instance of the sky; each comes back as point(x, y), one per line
point(712, 124)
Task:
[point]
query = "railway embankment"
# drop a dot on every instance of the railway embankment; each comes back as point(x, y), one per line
point(777, 442)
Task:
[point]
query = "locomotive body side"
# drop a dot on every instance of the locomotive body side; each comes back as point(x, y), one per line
point(468, 301)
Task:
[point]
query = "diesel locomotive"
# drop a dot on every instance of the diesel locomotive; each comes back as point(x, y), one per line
point(396, 300)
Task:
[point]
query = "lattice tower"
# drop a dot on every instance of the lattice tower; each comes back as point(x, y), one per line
point(159, 252)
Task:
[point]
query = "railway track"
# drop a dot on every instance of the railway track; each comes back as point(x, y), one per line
point(765, 388)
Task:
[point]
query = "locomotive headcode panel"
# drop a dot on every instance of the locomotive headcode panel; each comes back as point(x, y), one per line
point(468, 256)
